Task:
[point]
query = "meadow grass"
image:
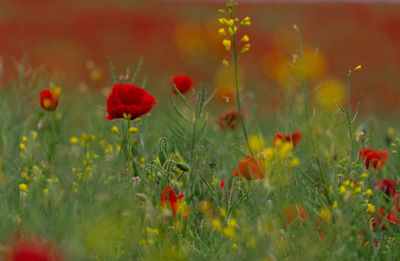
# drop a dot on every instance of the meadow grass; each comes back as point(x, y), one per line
point(73, 178)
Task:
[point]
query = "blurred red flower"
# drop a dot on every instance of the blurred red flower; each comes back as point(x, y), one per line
point(388, 186)
point(128, 100)
point(373, 156)
point(248, 169)
point(380, 216)
point(222, 183)
point(31, 249)
point(229, 120)
point(182, 82)
point(295, 137)
point(294, 213)
point(49, 98)
point(169, 199)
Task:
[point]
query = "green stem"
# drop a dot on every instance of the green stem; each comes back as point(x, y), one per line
point(242, 123)
point(129, 148)
point(349, 121)
point(303, 78)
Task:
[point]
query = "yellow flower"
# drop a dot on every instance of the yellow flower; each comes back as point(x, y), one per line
point(225, 62)
point(342, 190)
point(357, 68)
point(24, 139)
point(234, 246)
point(222, 21)
point(114, 129)
point(368, 192)
point(370, 208)
point(221, 32)
point(256, 143)
point(335, 204)
point(245, 38)
point(325, 214)
point(227, 44)
point(390, 131)
point(285, 150)
point(245, 21)
point(34, 135)
point(46, 191)
point(364, 176)
point(74, 140)
point(294, 162)
point(133, 130)
point(216, 223)
point(23, 187)
point(22, 146)
point(245, 48)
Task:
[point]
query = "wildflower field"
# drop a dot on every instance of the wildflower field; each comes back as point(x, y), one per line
point(127, 172)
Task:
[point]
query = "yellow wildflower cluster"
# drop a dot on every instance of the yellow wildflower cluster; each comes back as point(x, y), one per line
point(280, 154)
point(229, 30)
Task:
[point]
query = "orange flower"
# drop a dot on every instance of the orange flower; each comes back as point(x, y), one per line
point(248, 169)
point(294, 213)
point(49, 98)
point(295, 137)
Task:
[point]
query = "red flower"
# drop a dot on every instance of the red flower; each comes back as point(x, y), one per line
point(49, 98)
point(128, 100)
point(380, 216)
point(182, 82)
point(248, 169)
point(229, 119)
point(295, 137)
point(388, 186)
point(293, 213)
point(222, 183)
point(374, 156)
point(169, 199)
point(31, 249)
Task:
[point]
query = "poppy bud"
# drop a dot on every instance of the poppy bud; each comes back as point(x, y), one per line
point(197, 189)
point(182, 166)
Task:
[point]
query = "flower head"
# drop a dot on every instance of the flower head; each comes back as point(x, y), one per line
point(169, 199)
point(230, 120)
point(182, 82)
point(31, 249)
point(374, 156)
point(294, 138)
point(388, 186)
point(128, 101)
point(294, 213)
point(248, 169)
point(49, 98)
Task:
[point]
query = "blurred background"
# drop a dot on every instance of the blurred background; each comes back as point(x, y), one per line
point(72, 39)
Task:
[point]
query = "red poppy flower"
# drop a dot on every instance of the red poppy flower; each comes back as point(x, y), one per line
point(294, 213)
point(388, 186)
point(31, 249)
point(128, 100)
point(169, 199)
point(222, 183)
point(380, 217)
point(49, 98)
point(321, 226)
point(248, 169)
point(229, 119)
point(295, 137)
point(182, 82)
point(373, 156)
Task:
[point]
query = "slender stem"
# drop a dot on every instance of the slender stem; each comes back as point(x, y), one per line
point(348, 116)
point(242, 123)
point(129, 147)
point(303, 78)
